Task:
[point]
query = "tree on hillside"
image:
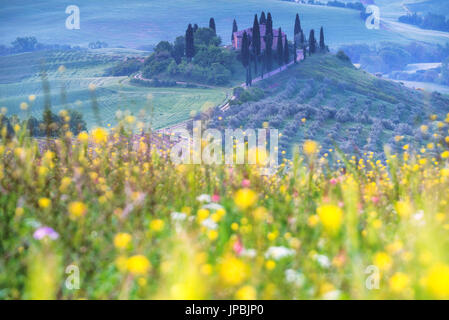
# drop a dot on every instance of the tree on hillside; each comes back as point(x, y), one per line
point(312, 42)
point(268, 51)
point(195, 27)
point(286, 52)
point(207, 37)
point(256, 42)
point(297, 26)
point(245, 55)
point(179, 48)
point(322, 44)
point(295, 55)
point(190, 47)
point(212, 25)
point(25, 44)
point(234, 29)
point(269, 42)
point(263, 19)
point(269, 24)
point(280, 49)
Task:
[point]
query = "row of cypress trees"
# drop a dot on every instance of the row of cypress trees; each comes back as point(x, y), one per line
point(266, 57)
point(283, 54)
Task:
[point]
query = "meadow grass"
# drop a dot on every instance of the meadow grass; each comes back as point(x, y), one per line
point(71, 73)
point(138, 226)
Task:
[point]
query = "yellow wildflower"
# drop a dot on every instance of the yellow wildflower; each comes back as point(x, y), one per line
point(404, 208)
point(331, 217)
point(212, 235)
point(399, 282)
point(138, 265)
point(99, 135)
point(246, 293)
point(77, 209)
point(270, 264)
point(437, 281)
point(122, 240)
point(245, 198)
point(310, 147)
point(44, 203)
point(233, 271)
point(383, 261)
point(156, 225)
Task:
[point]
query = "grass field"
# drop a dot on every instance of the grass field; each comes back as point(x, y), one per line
point(136, 23)
point(20, 78)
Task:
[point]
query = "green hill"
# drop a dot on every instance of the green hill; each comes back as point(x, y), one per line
point(20, 77)
point(340, 104)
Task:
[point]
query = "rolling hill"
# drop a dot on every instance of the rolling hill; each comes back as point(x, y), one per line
point(20, 78)
point(328, 100)
point(136, 23)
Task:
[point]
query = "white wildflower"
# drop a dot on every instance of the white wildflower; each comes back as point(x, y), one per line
point(277, 253)
point(249, 253)
point(322, 260)
point(178, 216)
point(204, 198)
point(297, 278)
point(213, 206)
point(209, 224)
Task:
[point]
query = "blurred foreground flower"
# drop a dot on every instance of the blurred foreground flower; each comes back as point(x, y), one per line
point(138, 265)
point(245, 198)
point(331, 217)
point(43, 232)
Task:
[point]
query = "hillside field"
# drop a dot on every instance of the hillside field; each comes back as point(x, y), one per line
point(328, 100)
point(20, 78)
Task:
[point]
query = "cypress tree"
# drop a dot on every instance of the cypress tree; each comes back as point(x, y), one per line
point(212, 25)
point(297, 25)
point(295, 55)
point(286, 52)
point(268, 51)
point(195, 27)
point(269, 42)
point(245, 50)
point(190, 48)
point(256, 41)
point(234, 29)
point(269, 24)
point(322, 45)
point(256, 36)
point(263, 19)
point(280, 48)
point(312, 42)
point(245, 57)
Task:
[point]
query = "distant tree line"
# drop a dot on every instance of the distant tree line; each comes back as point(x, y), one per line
point(430, 21)
point(388, 57)
point(348, 5)
point(30, 44)
point(51, 124)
